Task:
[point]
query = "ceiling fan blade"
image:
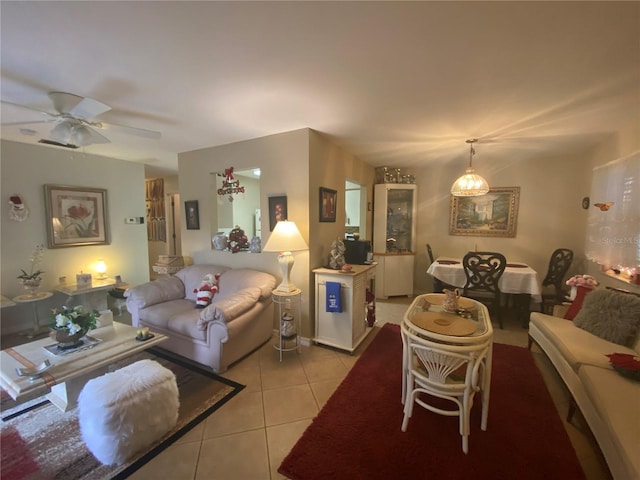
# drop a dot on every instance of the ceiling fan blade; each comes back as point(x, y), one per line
point(89, 108)
point(141, 132)
point(35, 122)
point(77, 106)
point(93, 137)
point(41, 112)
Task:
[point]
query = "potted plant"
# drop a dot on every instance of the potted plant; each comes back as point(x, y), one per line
point(31, 281)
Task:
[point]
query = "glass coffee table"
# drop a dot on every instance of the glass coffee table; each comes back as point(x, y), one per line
point(67, 371)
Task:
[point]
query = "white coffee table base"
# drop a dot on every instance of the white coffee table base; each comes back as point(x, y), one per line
point(65, 395)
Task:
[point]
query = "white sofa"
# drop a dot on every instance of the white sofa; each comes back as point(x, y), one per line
point(609, 402)
point(238, 320)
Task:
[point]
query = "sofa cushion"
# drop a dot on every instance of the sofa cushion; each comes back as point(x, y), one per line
point(192, 276)
point(159, 315)
point(185, 323)
point(578, 346)
point(616, 399)
point(610, 315)
point(161, 290)
point(229, 307)
point(234, 280)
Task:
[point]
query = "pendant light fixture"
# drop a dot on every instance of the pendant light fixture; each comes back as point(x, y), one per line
point(470, 184)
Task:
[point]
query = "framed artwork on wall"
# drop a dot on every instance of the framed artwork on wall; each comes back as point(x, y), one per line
point(76, 216)
point(277, 211)
point(492, 215)
point(328, 201)
point(192, 215)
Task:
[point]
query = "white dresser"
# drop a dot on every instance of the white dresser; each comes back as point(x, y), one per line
point(346, 329)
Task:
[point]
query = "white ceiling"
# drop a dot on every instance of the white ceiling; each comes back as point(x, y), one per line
point(395, 83)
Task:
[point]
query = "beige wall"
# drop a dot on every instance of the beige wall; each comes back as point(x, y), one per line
point(294, 164)
point(24, 170)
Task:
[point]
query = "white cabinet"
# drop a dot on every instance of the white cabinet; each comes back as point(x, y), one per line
point(346, 329)
point(394, 234)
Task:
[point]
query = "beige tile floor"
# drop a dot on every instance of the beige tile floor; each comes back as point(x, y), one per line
point(250, 435)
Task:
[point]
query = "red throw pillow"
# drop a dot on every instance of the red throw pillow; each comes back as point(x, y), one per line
point(576, 305)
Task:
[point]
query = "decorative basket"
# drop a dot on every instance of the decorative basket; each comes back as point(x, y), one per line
point(66, 339)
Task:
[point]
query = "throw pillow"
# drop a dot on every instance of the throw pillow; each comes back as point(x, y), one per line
point(576, 305)
point(610, 315)
point(626, 365)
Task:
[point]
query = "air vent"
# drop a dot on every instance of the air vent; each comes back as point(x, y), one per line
point(57, 144)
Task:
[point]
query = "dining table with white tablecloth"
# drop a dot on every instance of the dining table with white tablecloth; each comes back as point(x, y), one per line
point(518, 278)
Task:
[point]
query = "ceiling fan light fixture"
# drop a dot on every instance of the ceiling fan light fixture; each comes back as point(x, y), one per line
point(470, 184)
point(81, 136)
point(62, 132)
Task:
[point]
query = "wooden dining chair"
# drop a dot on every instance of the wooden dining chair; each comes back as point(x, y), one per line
point(559, 264)
point(483, 271)
point(438, 285)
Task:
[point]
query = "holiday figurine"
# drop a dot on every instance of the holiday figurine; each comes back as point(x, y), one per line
point(208, 288)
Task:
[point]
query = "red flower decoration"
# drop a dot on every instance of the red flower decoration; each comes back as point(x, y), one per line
point(626, 364)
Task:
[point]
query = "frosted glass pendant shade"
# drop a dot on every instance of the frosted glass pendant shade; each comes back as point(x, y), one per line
point(470, 185)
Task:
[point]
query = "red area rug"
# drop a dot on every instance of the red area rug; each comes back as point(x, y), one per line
point(357, 434)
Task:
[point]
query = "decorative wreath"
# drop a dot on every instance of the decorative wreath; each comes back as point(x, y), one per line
point(626, 365)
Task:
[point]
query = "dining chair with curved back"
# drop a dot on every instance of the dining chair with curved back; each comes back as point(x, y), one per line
point(483, 271)
point(451, 372)
point(559, 264)
point(438, 285)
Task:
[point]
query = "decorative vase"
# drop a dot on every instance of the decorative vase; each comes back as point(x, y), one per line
point(66, 339)
point(220, 242)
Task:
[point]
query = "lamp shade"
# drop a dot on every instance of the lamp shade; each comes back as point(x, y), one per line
point(285, 238)
point(470, 185)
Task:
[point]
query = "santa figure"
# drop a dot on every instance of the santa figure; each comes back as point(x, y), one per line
point(208, 288)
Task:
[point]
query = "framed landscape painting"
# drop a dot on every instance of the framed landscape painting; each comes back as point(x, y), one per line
point(76, 216)
point(492, 215)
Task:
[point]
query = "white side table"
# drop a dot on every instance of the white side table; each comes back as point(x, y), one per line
point(33, 298)
point(288, 310)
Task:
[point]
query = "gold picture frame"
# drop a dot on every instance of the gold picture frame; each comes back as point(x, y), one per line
point(492, 215)
point(76, 216)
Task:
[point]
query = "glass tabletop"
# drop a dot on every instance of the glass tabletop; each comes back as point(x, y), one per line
point(469, 324)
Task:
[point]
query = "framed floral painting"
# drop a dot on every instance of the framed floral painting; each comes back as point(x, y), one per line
point(76, 216)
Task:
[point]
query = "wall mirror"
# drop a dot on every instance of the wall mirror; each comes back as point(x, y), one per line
point(237, 197)
point(355, 206)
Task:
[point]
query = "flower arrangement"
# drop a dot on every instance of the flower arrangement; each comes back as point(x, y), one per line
point(626, 364)
point(33, 278)
point(582, 281)
point(74, 319)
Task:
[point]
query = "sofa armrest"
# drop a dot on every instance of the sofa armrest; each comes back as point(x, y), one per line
point(151, 293)
point(229, 307)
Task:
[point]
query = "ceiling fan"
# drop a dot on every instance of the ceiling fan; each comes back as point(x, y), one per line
point(75, 121)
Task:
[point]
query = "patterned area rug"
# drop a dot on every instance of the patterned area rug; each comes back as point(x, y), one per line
point(38, 441)
point(357, 434)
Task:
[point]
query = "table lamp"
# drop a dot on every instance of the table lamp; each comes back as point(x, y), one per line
point(285, 238)
point(101, 269)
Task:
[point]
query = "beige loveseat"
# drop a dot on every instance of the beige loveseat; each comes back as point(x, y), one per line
point(238, 320)
point(609, 402)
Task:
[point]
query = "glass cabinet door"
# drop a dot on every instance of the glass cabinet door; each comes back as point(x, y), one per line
point(399, 220)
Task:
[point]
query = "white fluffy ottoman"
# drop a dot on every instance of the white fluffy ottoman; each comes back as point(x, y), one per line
point(127, 410)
